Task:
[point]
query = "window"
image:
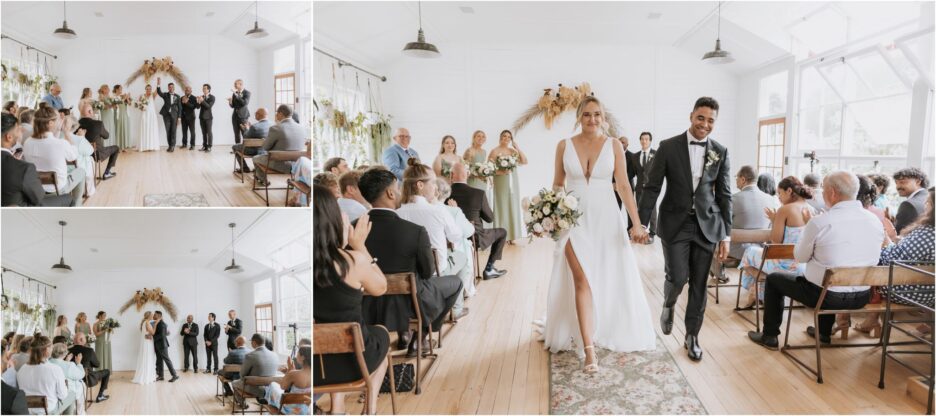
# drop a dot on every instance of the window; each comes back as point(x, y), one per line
point(295, 308)
point(770, 146)
point(773, 95)
point(263, 292)
point(284, 90)
point(263, 315)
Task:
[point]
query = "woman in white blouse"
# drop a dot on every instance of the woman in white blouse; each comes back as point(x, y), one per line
point(419, 192)
point(51, 154)
point(74, 373)
point(42, 378)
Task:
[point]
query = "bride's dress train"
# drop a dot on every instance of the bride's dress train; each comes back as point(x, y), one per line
point(622, 320)
point(149, 128)
point(146, 361)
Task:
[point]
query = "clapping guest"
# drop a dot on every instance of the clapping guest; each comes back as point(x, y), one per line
point(189, 104)
point(260, 130)
point(296, 380)
point(447, 158)
point(339, 292)
point(881, 182)
point(49, 153)
point(399, 153)
point(14, 399)
point(473, 202)
point(911, 184)
point(61, 328)
point(328, 181)
point(814, 182)
point(235, 356)
point(351, 202)
point(82, 325)
point(10, 108)
point(238, 100)
point(460, 248)
point(21, 185)
point(42, 378)
point(26, 123)
point(867, 194)
point(190, 343)
point(766, 183)
point(74, 373)
point(285, 135)
point(86, 356)
point(335, 165)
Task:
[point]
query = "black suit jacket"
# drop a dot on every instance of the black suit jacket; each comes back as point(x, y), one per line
point(159, 337)
point(640, 172)
point(88, 357)
point(21, 186)
point(399, 245)
point(14, 401)
point(712, 197)
point(95, 131)
point(236, 327)
point(188, 109)
point(212, 334)
point(240, 105)
point(192, 337)
point(205, 108)
point(171, 110)
point(910, 210)
point(629, 157)
point(473, 202)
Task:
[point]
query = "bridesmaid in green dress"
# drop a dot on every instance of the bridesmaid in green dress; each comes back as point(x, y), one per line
point(102, 345)
point(477, 154)
point(122, 129)
point(108, 114)
point(82, 325)
point(507, 214)
point(446, 159)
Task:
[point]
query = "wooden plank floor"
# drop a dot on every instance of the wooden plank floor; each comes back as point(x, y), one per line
point(183, 171)
point(491, 363)
point(191, 394)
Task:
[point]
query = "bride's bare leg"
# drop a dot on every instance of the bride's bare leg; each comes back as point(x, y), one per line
point(584, 304)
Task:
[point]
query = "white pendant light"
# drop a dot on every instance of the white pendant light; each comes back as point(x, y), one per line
point(64, 32)
point(421, 48)
point(61, 267)
point(257, 32)
point(234, 267)
point(718, 56)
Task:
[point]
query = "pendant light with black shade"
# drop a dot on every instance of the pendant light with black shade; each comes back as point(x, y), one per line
point(234, 267)
point(61, 267)
point(257, 32)
point(421, 48)
point(64, 32)
point(718, 56)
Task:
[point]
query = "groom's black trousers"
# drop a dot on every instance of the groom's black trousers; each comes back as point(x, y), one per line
point(170, 123)
point(162, 354)
point(688, 257)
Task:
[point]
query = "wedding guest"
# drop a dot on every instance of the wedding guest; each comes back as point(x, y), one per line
point(61, 328)
point(236, 356)
point(285, 135)
point(10, 108)
point(339, 294)
point(189, 335)
point(507, 213)
point(442, 165)
point(205, 118)
point(814, 182)
point(102, 342)
point(460, 248)
point(260, 362)
point(85, 150)
point(212, 333)
point(911, 184)
point(96, 133)
point(336, 165)
point(189, 104)
point(786, 227)
point(476, 154)
point(296, 380)
point(867, 194)
point(20, 358)
point(329, 181)
point(49, 153)
point(643, 159)
point(766, 183)
point(108, 111)
point(86, 97)
point(53, 98)
point(748, 206)
point(396, 156)
point(14, 347)
point(882, 183)
point(304, 342)
point(42, 378)
point(59, 339)
point(847, 235)
point(8, 337)
point(233, 328)
point(238, 101)
point(351, 202)
point(82, 325)
point(260, 130)
point(26, 123)
point(122, 118)
point(302, 172)
point(473, 202)
point(20, 181)
point(89, 360)
point(74, 373)
point(14, 399)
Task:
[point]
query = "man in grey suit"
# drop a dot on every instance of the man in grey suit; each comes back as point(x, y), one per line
point(285, 135)
point(260, 362)
point(235, 356)
point(911, 184)
point(748, 206)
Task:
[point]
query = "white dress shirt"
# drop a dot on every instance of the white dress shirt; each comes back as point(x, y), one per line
point(352, 208)
point(696, 158)
point(44, 379)
point(847, 235)
point(50, 154)
point(438, 224)
point(644, 157)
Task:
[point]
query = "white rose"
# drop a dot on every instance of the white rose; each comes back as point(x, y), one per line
point(548, 224)
point(562, 224)
point(570, 202)
point(503, 163)
point(536, 200)
point(537, 228)
point(527, 217)
point(546, 210)
point(525, 203)
point(537, 215)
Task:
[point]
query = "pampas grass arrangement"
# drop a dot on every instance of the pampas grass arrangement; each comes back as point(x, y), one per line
point(142, 297)
point(153, 66)
point(552, 104)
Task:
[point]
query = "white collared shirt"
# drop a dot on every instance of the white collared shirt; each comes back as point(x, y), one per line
point(437, 222)
point(696, 158)
point(644, 157)
point(352, 208)
point(847, 235)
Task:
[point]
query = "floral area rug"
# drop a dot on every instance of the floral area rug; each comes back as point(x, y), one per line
point(646, 382)
point(175, 200)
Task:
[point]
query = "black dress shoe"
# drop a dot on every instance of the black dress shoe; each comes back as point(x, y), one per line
point(159, 378)
point(403, 341)
point(108, 175)
point(191, 148)
point(766, 341)
point(174, 378)
point(185, 370)
point(695, 350)
point(666, 320)
point(824, 339)
point(101, 398)
point(493, 273)
point(208, 371)
point(411, 349)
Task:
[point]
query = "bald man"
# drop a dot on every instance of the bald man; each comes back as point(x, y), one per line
point(260, 130)
point(397, 155)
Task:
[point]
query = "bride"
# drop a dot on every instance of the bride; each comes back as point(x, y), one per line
point(146, 357)
point(595, 293)
point(149, 123)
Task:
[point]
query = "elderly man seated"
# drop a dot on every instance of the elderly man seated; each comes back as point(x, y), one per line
point(285, 135)
point(260, 362)
point(259, 130)
point(847, 235)
point(235, 356)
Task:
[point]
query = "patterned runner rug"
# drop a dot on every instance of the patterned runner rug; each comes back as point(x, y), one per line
point(175, 200)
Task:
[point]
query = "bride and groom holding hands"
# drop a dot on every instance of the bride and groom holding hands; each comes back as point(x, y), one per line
point(154, 350)
point(596, 297)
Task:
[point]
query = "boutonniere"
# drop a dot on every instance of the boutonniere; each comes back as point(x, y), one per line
point(711, 158)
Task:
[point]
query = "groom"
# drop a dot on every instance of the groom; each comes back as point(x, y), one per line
point(695, 214)
point(161, 344)
point(170, 112)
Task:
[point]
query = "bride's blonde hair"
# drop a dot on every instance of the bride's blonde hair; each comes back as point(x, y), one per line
point(146, 317)
point(581, 109)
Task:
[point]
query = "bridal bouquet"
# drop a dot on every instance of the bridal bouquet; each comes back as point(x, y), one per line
point(549, 213)
point(110, 324)
point(141, 103)
point(482, 170)
point(506, 162)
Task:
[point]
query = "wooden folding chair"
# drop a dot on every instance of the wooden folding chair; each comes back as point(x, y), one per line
point(300, 187)
point(278, 156)
point(297, 398)
point(344, 338)
point(48, 178)
point(477, 260)
point(248, 143)
point(37, 402)
point(737, 236)
point(853, 276)
point(221, 380)
point(771, 252)
point(405, 284)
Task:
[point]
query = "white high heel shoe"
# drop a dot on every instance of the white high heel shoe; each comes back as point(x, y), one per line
point(593, 367)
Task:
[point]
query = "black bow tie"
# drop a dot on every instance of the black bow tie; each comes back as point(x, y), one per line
point(702, 143)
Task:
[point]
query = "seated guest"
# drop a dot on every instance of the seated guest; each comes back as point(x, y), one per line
point(328, 181)
point(255, 131)
point(302, 172)
point(460, 248)
point(10, 108)
point(14, 346)
point(260, 362)
point(473, 202)
point(813, 181)
point(42, 378)
point(84, 150)
point(765, 182)
point(235, 356)
point(9, 372)
point(26, 123)
point(867, 194)
point(50, 154)
point(74, 373)
point(911, 184)
point(21, 185)
point(296, 381)
point(339, 294)
point(847, 235)
point(89, 360)
point(61, 328)
point(96, 133)
point(305, 342)
point(60, 339)
point(748, 207)
point(351, 202)
point(14, 399)
point(915, 245)
point(786, 227)
point(881, 182)
point(285, 135)
point(336, 165)
point(22, 357)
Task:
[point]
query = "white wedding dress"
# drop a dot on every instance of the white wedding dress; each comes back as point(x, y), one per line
point(146, 361)
point(149, 127)
point(601, 244)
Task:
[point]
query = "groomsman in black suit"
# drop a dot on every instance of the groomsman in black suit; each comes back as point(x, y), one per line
point(189, 104)
point(473, 202)
point(205, 102)
point(170, 112)
point(641, 164)
point(238, 101)
point(190, 343)
point(631, 173)
point(233, 328)
point(212, 333)
point(161, 344)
